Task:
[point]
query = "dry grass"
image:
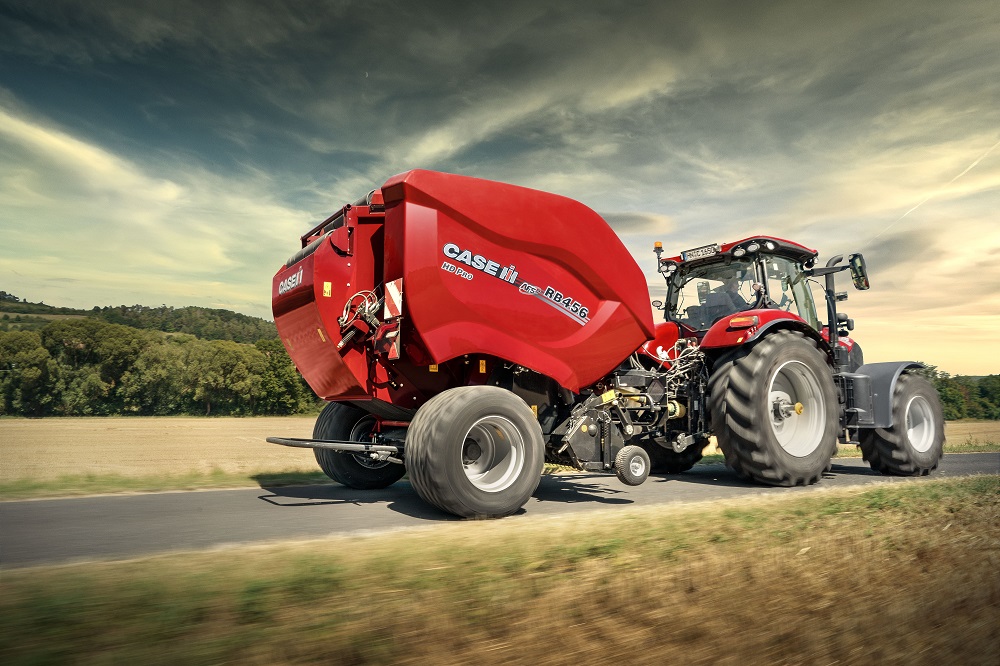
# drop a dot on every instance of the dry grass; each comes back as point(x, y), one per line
point(984, 431)
point(65, 456)
point(143, 446)
point(898, 574)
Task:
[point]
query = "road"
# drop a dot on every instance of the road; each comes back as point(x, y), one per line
point(38, 532)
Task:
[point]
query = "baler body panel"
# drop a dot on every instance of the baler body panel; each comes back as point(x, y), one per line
point(489, 270)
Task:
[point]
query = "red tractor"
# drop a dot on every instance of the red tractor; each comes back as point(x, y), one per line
point(465, 331)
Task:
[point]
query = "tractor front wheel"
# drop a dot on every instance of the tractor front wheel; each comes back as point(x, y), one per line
point(914, 444)
point(774, 410)
point(354, 470)
point(475, 451)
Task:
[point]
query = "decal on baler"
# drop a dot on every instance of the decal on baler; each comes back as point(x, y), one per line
point(290, 282)
point(480, 263)
point(460, 272)
point(566, 304)
point(571, 306)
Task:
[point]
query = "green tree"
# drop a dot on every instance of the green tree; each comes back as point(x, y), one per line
point(225, 376)
point(283, 391)
point(155, 383)
point(28, 375)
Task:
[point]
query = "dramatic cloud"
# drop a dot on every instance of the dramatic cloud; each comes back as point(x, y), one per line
point(172, 152)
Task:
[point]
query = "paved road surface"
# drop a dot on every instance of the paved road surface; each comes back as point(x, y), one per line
point(117, 527)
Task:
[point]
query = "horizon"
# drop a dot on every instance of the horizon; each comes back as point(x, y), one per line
point(174, 153)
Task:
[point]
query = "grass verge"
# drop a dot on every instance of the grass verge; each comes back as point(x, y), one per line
point(96, 484)
point(93, 484)
point(901, 573)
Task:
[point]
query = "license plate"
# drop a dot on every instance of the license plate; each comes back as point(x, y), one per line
point(701, 252)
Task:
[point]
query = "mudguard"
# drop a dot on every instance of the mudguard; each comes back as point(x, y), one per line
point(883, 383)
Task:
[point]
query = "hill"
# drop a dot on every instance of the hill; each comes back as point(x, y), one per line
point(203, 323)
point(142, 360)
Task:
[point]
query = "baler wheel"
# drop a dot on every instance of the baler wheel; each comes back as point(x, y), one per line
point(914, 444)
point(632, 465)
point(774, 410)
point(475, 451)
point(354, 470)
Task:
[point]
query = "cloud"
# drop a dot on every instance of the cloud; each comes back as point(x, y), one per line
point(75, 211)
point(197, 141)
point(639, 223)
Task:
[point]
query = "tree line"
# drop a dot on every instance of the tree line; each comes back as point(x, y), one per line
point(88, 366)
point(204, 323)
point(164, 360)
point(967, 397)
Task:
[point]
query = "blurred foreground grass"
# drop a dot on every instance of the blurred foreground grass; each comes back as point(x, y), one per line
point(900, 573)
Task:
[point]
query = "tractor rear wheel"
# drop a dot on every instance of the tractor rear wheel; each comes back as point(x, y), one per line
point(914, 444)
point(475, 451)
point(354, 470)
point(774, 410)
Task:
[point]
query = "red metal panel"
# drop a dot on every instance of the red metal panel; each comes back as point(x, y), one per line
point(530, 277)
point(667, 335)
point(302, 329)
point(723, 335)
point(491, 270)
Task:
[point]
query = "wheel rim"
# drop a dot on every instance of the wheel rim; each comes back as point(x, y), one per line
point(361, 432)
point(919, 423)
point(796, 408)
point(637, 466)
point(493, 454)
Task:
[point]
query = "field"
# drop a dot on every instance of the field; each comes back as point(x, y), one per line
point(62, 456)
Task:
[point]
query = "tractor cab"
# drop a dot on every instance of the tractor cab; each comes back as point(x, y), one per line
point(709, 283)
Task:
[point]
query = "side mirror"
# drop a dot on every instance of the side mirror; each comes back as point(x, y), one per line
point(658, 305)
point(859, 273)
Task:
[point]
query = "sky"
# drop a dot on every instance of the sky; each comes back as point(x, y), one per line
point(173, 151)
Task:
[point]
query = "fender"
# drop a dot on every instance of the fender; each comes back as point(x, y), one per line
point(724, 333)
point(883, 377)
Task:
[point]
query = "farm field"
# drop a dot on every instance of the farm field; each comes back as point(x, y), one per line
point(46, 449)
point(59, 456)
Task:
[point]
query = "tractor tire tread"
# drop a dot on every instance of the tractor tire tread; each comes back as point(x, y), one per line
point(886, 450)
point(734, 386)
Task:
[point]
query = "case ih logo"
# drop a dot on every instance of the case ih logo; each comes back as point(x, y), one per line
point(479, 262)
point(565, 304)
point(290, 282)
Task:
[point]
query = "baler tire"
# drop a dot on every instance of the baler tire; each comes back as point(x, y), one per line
point(345, 422)
point(914, 444)
point(632, 465)
point(475, 452)
point(745, 389)
point(667, 461)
